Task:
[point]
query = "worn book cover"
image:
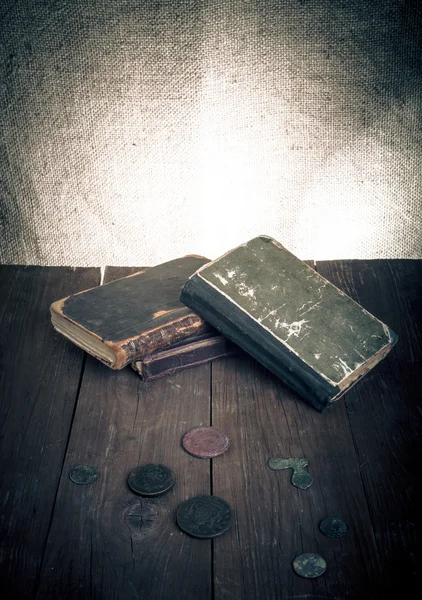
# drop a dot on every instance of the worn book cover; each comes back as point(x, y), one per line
point(291, 319)
point(129, 318)
point(190, 352)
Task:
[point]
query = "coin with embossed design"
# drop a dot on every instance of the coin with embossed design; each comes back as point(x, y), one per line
point(333, 527)
point(83, 474)
point(205, 442)
point(309, 565)
point(204, 516)
point(151, 480)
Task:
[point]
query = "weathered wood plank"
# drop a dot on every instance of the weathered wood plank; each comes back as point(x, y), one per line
point(39, 378)
point(385, 412)
point(274, 520)
point(112, 273)
point(106, 542)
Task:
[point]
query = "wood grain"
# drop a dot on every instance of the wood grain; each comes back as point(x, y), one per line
point(39, 378)
point(105, 541)
point(112, 273)
point(385, 412)
point(102, 541)
point(274, 520)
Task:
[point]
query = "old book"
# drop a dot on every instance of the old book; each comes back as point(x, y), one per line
point(130, 318)
point(296, 323)
point(190, 352)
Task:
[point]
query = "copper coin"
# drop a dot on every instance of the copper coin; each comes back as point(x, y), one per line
point(151, 480)
point(84, 474)
point(204, 517)
point(205, 442)
point(333, 527)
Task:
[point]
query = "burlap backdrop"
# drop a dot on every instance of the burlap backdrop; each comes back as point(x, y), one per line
point(137, 131)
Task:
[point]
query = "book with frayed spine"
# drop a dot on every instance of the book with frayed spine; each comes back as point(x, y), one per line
point(129, 318)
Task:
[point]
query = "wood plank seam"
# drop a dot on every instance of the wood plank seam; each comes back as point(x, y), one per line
point(81, 375)
point(37, 585)
point(131, 416)
point(38, 385)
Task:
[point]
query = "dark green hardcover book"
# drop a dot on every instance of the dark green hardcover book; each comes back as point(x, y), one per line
point(296, 323)
point(131, 317)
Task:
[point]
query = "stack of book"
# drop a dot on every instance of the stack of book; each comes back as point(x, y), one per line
point(257, 297)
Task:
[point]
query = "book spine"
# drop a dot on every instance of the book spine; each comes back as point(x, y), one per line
point(176, 359)
point(138, 347)
point(244, 331)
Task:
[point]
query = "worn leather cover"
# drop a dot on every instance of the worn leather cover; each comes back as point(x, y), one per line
point(135, 315)
point(295, 322)
point(190, 352)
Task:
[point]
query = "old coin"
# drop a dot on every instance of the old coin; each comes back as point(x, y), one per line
point(309, 565)
point(300, 477)
point(83, 474)
point(333, 527)
point(204, 516)
point(151, 480)
point(205, 442)
point(276, 464)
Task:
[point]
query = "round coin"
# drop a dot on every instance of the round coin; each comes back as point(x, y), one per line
point(204, 517)
point(151, 480)
point(309, 565)
point(301, 479)
point(205, 442)
point(83, 474)
point(333, 527)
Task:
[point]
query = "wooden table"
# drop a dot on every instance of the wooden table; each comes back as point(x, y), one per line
point(60, 408)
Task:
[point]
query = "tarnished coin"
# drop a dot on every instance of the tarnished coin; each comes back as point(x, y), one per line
point(309, 565)
point(204, 516)
point(300, 477)
point(151, 480)
point(333, 527)
point(84, 474)
point(205, 442)
point(277, 464)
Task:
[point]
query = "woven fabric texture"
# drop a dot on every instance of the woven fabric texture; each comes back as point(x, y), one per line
point(134, 132)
